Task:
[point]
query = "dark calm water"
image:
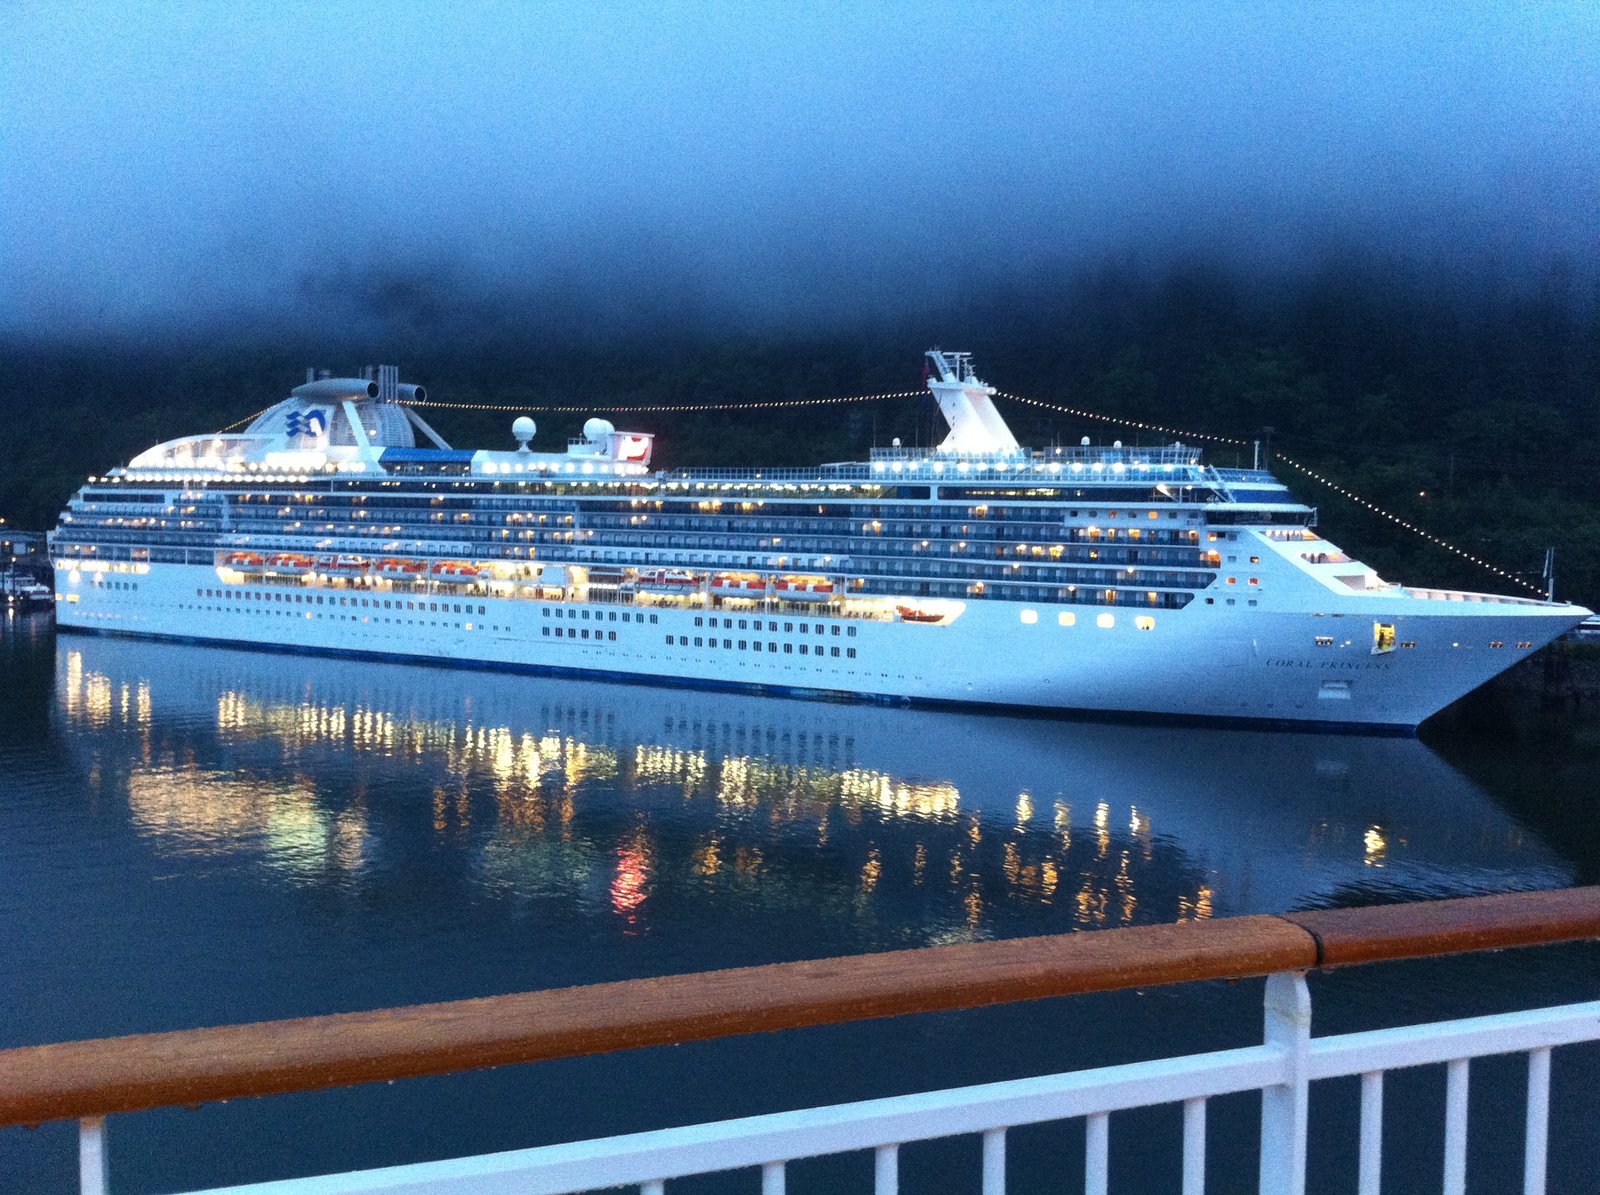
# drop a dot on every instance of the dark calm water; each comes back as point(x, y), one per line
point(194, 836)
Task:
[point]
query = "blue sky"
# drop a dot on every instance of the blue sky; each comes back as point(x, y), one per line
point(177, 163)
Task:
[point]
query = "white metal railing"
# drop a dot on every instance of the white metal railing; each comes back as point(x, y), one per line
point(1281, 1068)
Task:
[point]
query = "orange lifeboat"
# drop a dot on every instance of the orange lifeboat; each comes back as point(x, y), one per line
point(453, 572)
point(915, 614)
point(750, 585)
point(246, 562)
point(400, 570)
point(803, 589)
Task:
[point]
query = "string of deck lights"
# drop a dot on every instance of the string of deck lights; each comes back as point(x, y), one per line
point(664, 407)
point(1311, 473)
point(1148, 427)
point(245, 420)
point(1412, 527)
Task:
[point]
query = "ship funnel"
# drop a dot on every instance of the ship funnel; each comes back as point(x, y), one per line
point(965, 402)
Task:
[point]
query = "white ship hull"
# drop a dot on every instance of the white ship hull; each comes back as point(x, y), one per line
point(1200, 662)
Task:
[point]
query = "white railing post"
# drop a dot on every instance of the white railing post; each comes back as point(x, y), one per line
point(92, 1156)
point(1283, 1105)
point(1455, 1126)
point(1370, 1171)
point(1538, 1136)
point(994, 1162)
point(886, 1170)
point(1096, 1153)
point(1194, 1147)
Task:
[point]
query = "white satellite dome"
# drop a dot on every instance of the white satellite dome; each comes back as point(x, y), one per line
point(522, 429)
point(596, 429)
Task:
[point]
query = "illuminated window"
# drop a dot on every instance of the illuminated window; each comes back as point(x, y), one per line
point(1145, 623)
point(1030, 617)
point(1105, 620)
point(1066, 618)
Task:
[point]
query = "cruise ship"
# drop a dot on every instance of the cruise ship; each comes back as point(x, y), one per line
point(1096, 578)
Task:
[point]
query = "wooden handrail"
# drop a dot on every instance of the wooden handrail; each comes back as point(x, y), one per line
point(125, 1074)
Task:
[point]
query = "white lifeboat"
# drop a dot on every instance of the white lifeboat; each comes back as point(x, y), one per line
point(672, 581)
point(342, 566)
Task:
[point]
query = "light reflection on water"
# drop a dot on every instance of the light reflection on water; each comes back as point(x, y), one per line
point(224, 835)
point(550, 787)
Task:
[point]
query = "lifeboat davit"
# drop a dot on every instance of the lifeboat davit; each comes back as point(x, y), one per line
point(803, 589)
point(675, 581)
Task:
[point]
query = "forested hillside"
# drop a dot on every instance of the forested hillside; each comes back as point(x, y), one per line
point(1467, 407)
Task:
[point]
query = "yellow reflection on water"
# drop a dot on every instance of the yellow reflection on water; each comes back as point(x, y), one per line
point(532, 838)
point(1375, 844)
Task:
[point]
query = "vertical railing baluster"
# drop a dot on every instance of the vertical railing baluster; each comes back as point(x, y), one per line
point(1455, 1127)
point(1096, 1153)
point(92, 1171)
point(1371, 1163)
point(1283, 1105)
point(886, 1170)
point(772, 1179)
point(994, 1162)
point(1194, 1147)
point(1538, 1135)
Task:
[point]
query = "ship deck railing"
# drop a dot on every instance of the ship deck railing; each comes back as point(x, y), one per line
point(89, 1081)
point(1456, 595)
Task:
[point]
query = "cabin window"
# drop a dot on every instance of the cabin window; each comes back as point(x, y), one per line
point(1029, 617)
point(1105, 620)
point(1066, 618)
point(1383, 639)
point(851, 652)
point(1144, 623)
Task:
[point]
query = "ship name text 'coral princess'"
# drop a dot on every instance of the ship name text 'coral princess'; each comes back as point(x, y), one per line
point(1116, 579)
